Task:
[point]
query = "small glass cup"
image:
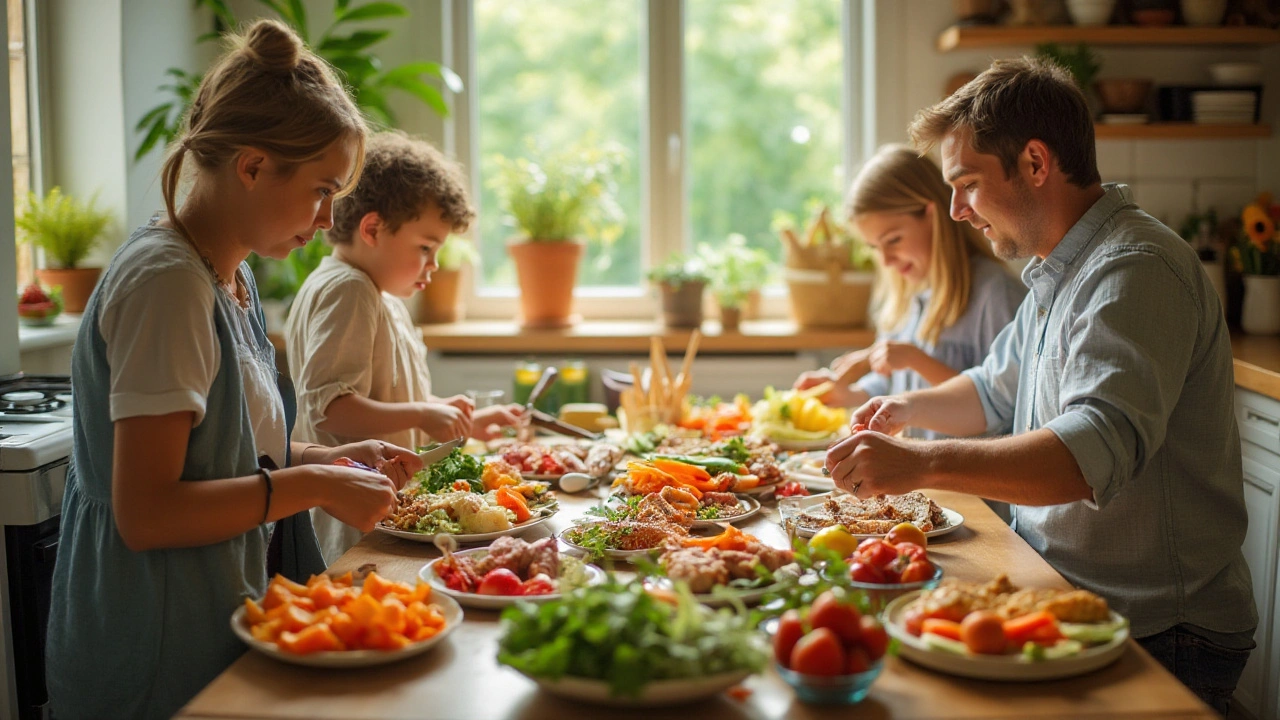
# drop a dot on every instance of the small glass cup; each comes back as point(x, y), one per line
point(486, 398)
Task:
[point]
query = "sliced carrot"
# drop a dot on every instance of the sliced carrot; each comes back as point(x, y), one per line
point(1021, 629)
point(938, 626)
point(514, 502)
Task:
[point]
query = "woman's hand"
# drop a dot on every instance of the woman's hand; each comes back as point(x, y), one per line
point(488, 422)
point(444, 422)
point(890, 355)
point(395, 462)
point(356, 497)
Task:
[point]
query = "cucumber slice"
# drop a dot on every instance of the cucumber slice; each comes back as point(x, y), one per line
point(945, 644)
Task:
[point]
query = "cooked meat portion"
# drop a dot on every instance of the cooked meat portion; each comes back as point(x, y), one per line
point(954, 599)
point(704, 569)
point(544, 557)
point(874, 515)
point(655, 509)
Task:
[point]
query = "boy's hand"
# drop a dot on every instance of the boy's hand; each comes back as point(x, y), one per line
point(488, 422)
point(462, 402)
point(444, 422)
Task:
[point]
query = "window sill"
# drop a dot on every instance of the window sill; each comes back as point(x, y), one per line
point(61, 333)
point(504, 337)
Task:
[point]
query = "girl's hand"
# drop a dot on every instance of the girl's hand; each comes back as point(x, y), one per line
point(890, 355)
point(395, 462)
point(356, 497)
point(488, 422)
point(462, 402)
point(814, 378)
point(444, 422)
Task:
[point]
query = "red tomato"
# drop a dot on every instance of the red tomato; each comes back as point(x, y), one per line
point(892, 574)
point(818, 653)
point(790, 630)
point(791, 489)
point(873, 639)
point(539, 584)
point(912, 551)
point(500, 582)
point(917, 571)
point(841, 618)
point(983, 633)
point(866, 573)
point(858, 661)
point(876, 552)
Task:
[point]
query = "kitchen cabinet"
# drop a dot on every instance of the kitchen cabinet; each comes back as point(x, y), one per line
point(1259, 419)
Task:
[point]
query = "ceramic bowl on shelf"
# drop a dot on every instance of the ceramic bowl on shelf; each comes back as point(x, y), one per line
point(1123, 95)
point(1090, 12)
point(1236, 73)
point(1203, 13)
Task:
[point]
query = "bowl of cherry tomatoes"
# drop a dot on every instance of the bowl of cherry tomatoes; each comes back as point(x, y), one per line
point(829, 653)
point(893, 566)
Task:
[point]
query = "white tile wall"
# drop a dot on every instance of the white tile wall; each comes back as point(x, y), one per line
point(1115, 160)
point(1228, 196)
point(1168, 202)
point(1166, 159)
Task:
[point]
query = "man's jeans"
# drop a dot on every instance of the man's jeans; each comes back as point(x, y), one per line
point(1210, 670)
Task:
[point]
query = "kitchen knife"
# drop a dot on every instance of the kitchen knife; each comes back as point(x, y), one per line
point(440, 452)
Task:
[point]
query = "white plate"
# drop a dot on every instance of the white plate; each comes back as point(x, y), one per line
point(800, 467)
point(805, 445)
point(954, 519)
point(753, 507)
point(492, 602)
point(351, 658)
point(624, 555)
point(655, 694)
point(466, 538)
point(1008, 668)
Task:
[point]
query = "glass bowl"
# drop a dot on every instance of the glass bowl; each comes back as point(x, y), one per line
point(881, 594)
point(831, 689)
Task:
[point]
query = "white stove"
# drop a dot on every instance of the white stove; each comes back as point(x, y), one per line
point(35, 448)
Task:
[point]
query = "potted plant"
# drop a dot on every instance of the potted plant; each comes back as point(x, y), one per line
point(67, 230)
point(737, 273)
point(439, 302)
point(681, 281)
point(555, 203)
point(1256, 254)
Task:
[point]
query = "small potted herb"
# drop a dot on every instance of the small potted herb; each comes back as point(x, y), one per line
point(737, 273)
point(556, 202)
point(67, 230)
point(681, 281)
point(439, 302)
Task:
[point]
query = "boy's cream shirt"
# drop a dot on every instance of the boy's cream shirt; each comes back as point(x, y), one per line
point(345, 336)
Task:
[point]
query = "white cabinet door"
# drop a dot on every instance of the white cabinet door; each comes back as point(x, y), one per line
point(1261, 483)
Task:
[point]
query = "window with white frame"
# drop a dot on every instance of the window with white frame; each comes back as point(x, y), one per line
point(22, 133)
point(725, 112)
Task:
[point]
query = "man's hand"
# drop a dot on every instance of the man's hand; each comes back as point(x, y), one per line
point(870, 463)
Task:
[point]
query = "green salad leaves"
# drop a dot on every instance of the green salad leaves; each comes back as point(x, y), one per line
point(618, 633)
point(439, 477)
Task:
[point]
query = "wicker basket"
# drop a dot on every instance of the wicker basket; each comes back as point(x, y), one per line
point(829, 298)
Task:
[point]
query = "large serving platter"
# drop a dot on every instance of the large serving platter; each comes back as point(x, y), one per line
point(792, 507)
point(492, 602)
point(468, 538)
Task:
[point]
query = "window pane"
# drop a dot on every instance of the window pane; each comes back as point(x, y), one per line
point(18, 115)
point(562, 74)
point(765, 128)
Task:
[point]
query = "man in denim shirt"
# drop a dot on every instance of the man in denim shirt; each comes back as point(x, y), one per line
point(1114, 378)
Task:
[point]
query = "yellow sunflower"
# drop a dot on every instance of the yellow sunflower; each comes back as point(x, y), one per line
point(1258, 225)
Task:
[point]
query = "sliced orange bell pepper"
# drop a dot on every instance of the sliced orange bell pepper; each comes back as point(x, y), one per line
point(1038, 627)
point(938, 626)
point(513, 501)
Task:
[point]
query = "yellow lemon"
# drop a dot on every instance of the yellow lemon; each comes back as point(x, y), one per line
point(835, 538)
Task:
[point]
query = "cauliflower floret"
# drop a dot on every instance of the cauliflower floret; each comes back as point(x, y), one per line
point(480, 517)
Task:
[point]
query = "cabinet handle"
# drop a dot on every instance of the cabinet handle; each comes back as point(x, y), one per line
point(1255, 416)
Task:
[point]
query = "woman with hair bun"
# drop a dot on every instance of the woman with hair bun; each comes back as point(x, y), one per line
point(171, 505)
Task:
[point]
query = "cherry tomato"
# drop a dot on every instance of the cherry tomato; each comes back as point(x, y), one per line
point(874, 639)
point(911, 620)
point(858, 661)
point(500, 581)
point(841, 618)
point(917, 571)
point(865, 573)
point(539, 584)
point(875, 551)
point(818, 653)
point(791, 489)
point(790, 630)
point(983, 633)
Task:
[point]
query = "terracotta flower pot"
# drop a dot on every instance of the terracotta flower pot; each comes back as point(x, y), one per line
point(547, 272)
point(682, 304)
point(438, 301)
point(77, 285)
point(730, 319)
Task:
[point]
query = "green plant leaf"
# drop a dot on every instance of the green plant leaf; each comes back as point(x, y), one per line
point(211, 35)
point(416, 69)
point(159, 131)
point(339, 6)
point(353, 43)
point(152, 114)
point(372, 101)
point(373, 11)
point(222, 11)
point(66, 229)
point(418, 89)
point(298, 15)
point(356, 68)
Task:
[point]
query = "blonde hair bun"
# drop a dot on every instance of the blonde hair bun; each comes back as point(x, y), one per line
point(273, 45)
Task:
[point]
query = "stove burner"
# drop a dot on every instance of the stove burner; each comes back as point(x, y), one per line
point(34, 395)
point(23, 397)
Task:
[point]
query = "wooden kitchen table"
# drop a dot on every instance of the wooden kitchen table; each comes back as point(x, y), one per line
point(461, 679)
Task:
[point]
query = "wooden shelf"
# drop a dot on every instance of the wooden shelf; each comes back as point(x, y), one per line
point(1180, 131)
point(503, 337)
point(982, 36)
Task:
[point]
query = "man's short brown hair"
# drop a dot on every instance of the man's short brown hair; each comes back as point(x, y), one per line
point(1013, 102)
point(402, 177)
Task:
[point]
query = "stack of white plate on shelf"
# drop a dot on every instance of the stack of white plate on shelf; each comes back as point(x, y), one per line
point(1224, 107)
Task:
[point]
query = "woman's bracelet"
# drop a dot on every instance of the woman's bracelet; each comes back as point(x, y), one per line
point(266, 478)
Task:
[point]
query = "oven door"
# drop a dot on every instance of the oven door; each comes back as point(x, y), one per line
point(31, 551)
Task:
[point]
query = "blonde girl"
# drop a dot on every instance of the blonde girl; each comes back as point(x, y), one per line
point(942, 296)
point(170, 503)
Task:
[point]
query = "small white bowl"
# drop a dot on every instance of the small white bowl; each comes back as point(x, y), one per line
point(1090, 12)
point(1238, 73)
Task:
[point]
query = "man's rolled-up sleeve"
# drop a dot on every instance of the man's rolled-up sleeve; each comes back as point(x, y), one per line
point(996, 378)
